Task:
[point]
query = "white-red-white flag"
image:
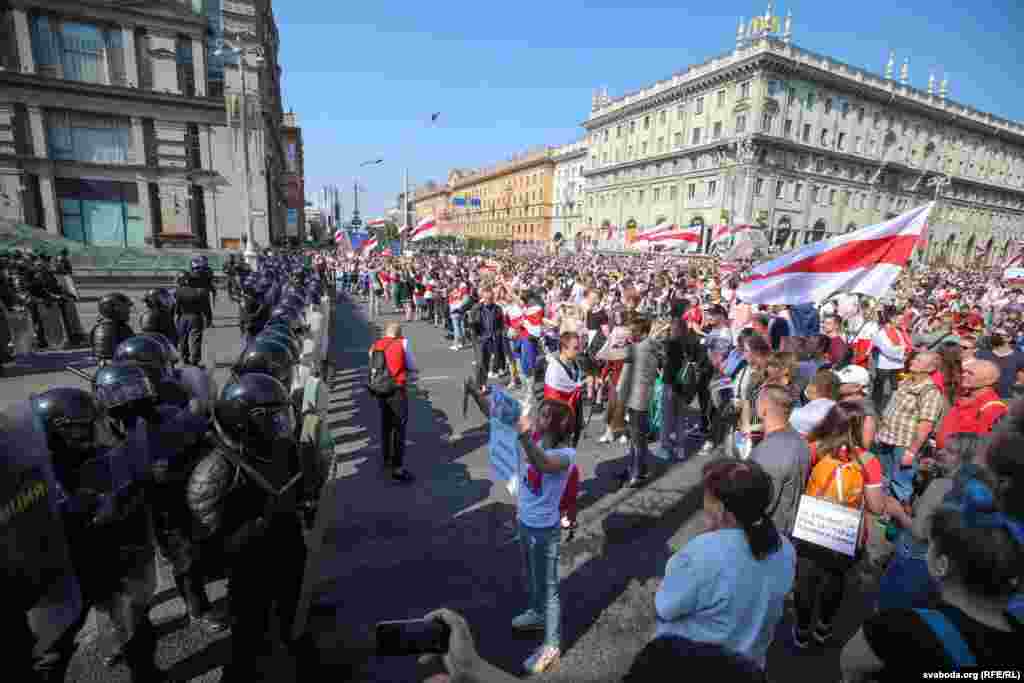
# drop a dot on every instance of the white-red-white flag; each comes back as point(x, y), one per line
point(720, 232)
point(866, 261)
point(369, 245)
point(424, 229)
point(688, 238)
point(376, 222)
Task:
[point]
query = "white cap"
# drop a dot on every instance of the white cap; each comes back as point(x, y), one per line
point(854, 374)
point(806, 418)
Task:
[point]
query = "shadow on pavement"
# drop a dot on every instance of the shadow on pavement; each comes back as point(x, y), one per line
point(40, 363)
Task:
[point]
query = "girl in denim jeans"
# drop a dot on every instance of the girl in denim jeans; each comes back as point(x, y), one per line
point(544, 475)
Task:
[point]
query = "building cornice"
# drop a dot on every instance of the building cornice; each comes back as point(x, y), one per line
point(55, 93)
point(568, 156)
point(775, 55)
point(511, 168)
point(161, 16)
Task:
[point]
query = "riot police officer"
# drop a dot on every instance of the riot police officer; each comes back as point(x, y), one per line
point(151, 355)
point(193, 314)
point(203, 275)
point(101, 499)
point(159, 314)
point(112, 326)
point(244, 498)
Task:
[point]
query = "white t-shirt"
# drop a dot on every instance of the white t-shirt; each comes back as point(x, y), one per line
point(578, 291)
point(540, 493)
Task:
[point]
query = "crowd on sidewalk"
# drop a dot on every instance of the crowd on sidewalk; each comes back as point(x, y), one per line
point(904, 411)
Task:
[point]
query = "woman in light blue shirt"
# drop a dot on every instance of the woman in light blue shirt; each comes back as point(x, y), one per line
point(728, 585)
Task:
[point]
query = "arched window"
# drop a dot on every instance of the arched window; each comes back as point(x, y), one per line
point(818, 231)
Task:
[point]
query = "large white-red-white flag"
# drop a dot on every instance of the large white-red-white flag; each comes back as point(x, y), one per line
point(867, 261)
point(688, 238)
point(369, 245)
point(424, 229)
point(376, 222)
point(720, 232)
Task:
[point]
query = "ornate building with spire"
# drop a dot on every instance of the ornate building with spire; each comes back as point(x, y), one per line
point(806, 147)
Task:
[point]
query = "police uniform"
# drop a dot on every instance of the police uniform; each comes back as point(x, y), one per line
point(193, 313)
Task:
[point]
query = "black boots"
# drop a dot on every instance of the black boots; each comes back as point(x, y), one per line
point(193, 592)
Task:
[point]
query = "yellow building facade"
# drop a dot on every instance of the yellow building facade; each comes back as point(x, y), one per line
point(431, 201)
point(512, 201)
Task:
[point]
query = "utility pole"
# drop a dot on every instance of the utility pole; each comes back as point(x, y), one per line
point(355, 200)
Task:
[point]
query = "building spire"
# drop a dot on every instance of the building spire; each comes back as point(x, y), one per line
point(931, 83)
point(788, 29)
point(740, 33)
point(768, 14)
point(905, 71)
point(944, 88)
point(890, 65)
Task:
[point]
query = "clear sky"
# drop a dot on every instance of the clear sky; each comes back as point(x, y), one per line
point(364, 77)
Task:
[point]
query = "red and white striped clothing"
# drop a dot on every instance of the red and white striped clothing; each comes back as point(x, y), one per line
point(513, 320)
point(560, 386)
point(428, 287)
point(532, 321)
point(459, 299)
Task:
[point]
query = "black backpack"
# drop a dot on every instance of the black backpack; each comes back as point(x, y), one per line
point(381, 383)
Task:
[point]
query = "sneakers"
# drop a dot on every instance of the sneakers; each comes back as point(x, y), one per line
point(528, 621)
point(542, 659)
point(453, 347)
point(623, 439)
point(607, 437)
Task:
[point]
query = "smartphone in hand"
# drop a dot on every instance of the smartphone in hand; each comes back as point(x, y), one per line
point(412, 637)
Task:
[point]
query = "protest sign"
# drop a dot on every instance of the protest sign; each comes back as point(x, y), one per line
point(503, 448)
point(827, 524)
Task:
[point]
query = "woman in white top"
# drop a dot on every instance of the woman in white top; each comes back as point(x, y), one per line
point(544, 473)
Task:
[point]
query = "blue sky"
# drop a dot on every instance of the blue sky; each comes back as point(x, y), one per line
point(364, 77)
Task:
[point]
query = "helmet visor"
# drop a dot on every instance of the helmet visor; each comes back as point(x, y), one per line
point(124, 392)
point(272, 422)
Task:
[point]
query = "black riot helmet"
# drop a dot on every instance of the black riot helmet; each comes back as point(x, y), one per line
point(184, 278)
point(148, 352)
point(295, 301)
point(69, 417)
point(282, 337)
point(254, 411)
point(125, 391)
point(116, 307)
point(268, 357)
point(289, 314)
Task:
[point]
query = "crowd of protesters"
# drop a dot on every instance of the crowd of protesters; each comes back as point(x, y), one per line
point(904, 409)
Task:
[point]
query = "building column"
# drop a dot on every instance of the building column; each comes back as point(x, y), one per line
point(163, 60)
point(138, 156)
point(37, 124)
point(199, 66)
point(23, 38)
point(48, 193)
point(142, 188)
point(131, 62)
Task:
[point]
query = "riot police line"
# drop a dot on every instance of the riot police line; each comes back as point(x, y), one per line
point(147, 457)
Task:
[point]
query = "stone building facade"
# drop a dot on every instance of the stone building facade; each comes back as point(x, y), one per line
point(295, 226)
point(569, 190)
point(806, 147)
point(114, 121)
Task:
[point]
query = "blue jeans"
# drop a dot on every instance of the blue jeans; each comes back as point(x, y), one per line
point(900, 478)
point(457, 329)
point(540, 559)
point(639, 426)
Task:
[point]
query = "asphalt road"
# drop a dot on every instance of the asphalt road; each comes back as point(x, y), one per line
point(395, 552)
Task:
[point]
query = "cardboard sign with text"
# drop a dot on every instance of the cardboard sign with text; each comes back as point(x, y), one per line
point(828, 524)
point(503, 448)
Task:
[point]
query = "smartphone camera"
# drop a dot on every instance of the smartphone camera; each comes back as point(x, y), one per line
point(412, 637)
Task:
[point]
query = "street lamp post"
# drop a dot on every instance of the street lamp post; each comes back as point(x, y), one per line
point(251, 253)
point(355, 187)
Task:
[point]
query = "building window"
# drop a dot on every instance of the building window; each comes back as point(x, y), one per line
point(679, 113)
point(766, 123)
point(78, 52)
point(696, 136)
point(712, 188)
point(798, 191)
point(824, 137)
point(828, 105)
point(643, 148)
point(640, 197)
point(657, 194)
point(877, 119)
point(832, 197)
point(629, 152)
point(77, 136)
point(858, 145)
point(807, 132)
point(780, 189)
point(661, 117)
point(810, 101)
point(632, 127)
point(790, 97)
point(678, 139)
point(717, 131)
point(744, 90)
point(841, 142)
point(661, 145)
point(741, 123)
point(787, 128)
point(860, 114)
point(691, 191)
point(673, 192)
point(819, 165)
point(647, 123)
point(618, 131)
point(759, 186)
point(699, 106)
point(604, 158)
point(606, 136)
point(816, 196)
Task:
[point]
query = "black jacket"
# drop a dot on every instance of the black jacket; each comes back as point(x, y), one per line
point(491, 322)
point(252, 316)
point(105, 337)
point(193, 301)
point(681, 350)
point(159, 321)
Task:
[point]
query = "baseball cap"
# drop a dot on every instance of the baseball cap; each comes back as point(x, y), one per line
point(853, 374)
point(806, 418)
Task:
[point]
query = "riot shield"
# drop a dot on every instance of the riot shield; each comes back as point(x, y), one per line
point(36, 563)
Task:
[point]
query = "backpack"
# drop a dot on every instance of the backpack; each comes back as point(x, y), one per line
point(381, 382)
point(837, 480)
